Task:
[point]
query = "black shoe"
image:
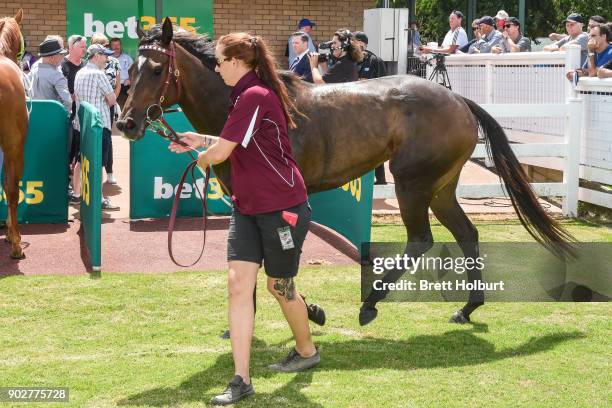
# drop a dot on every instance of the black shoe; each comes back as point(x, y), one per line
point(235, 391)
point(225, 335)
point(316, 314)
point(74, 199)
point(294, 362)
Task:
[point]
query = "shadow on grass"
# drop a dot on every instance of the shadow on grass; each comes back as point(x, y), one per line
point(452, 349)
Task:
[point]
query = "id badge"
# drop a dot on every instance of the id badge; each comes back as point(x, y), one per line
point(284, 233)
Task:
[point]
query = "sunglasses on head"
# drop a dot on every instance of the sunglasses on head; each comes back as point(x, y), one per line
point(77, 39)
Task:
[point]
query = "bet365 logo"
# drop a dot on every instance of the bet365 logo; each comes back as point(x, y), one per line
point(33, 193)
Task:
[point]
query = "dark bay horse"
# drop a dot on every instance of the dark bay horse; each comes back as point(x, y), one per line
point(13, 122)
point(425, 131)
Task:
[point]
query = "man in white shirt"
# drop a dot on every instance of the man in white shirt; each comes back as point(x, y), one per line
point(455, 38)
point(91, 85)
point(125, 62)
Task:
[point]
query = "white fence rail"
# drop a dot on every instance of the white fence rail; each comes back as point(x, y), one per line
point(556, 125)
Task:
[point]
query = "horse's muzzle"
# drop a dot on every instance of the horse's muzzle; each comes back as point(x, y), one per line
point(129, 128)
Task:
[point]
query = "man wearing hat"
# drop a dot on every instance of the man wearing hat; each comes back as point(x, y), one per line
point(305, 26)
point(48, 82)
point(575, 35)
point(513, 40)
point(91, 85)
point(489, 36)
point(500, 20)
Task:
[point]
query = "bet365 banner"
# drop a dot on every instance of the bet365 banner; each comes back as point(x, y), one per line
point(119, 18)
point(91, 181)
point(43, 189)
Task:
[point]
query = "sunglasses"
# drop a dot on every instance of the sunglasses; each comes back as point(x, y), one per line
point(221, 61)
point(77, 39)
point(508, 25)
point(475, 28)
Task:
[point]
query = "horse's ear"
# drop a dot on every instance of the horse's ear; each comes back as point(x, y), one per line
point(167, 33)
point(139, 31)
point(19, 16)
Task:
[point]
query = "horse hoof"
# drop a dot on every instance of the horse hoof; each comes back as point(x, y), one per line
point(316, 314)
point(225, 335)
point(459, 318)
point(367, 314)
point(19, 256)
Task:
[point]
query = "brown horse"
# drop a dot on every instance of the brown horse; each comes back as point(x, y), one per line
point(13, 123)
point(424, 130)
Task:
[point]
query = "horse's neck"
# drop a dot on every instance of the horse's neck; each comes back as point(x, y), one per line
point(204, 97)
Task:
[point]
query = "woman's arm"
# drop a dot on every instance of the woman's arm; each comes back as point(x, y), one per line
point(217, 153)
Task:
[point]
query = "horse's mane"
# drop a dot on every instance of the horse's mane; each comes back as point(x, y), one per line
point(201, 47)
point(10, 38)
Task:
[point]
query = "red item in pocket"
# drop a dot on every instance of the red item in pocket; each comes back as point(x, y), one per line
point(290, 217)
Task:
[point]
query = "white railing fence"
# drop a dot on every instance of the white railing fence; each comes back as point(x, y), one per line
point(555, 125)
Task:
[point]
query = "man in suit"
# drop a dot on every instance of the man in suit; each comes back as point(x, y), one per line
point(300, 64)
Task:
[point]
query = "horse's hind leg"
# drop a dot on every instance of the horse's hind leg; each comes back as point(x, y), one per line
point(414, 205)
point(13, 171)
point(451, 215)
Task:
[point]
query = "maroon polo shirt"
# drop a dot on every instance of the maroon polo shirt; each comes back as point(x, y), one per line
point(265, 176)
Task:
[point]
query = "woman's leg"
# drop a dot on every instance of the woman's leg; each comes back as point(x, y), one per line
point(242, 278)
point(294, 309)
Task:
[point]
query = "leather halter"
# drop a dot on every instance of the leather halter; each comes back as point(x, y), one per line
point(172, 68)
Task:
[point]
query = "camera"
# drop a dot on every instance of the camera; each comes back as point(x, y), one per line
point(325, 52)
point(326, 45)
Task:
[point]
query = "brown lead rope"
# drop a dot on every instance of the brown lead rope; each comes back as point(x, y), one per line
point(163, 129)
point(175, 204)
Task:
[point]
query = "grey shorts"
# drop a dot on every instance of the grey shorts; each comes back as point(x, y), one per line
point(270, 239)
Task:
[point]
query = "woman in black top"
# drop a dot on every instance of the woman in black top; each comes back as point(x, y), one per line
point(347, 53)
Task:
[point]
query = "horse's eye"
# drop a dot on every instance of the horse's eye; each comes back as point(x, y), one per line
point(157, 70)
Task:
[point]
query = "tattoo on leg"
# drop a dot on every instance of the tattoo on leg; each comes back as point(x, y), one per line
point(285, 288)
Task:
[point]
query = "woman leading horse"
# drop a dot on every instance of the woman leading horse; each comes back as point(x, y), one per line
point(13, 122)
point(345, 130)
point(271, 213)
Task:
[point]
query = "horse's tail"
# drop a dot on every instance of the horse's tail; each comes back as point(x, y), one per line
point(536, 221)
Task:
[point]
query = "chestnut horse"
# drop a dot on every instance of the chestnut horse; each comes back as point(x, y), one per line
point(425, 131)
point(13, 122)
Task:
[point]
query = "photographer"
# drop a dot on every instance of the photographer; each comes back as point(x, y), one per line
point(347, 54)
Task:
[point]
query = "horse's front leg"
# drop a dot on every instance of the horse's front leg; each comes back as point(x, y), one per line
point(14, 171)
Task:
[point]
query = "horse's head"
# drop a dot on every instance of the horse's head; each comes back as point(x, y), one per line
point(11, 40)
point(154, 79)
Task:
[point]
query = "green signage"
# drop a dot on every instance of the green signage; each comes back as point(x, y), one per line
point(347, 210)
point(91, 181)
point(119, 18)
point(43, 189)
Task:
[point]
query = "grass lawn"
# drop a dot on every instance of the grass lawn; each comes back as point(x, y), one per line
point(153, 340)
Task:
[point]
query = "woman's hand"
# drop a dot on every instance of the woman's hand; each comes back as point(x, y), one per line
point(190, 138)
point(313, 57)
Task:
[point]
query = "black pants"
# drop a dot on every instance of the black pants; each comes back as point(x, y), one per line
point(109, 161)
point(106, 145)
